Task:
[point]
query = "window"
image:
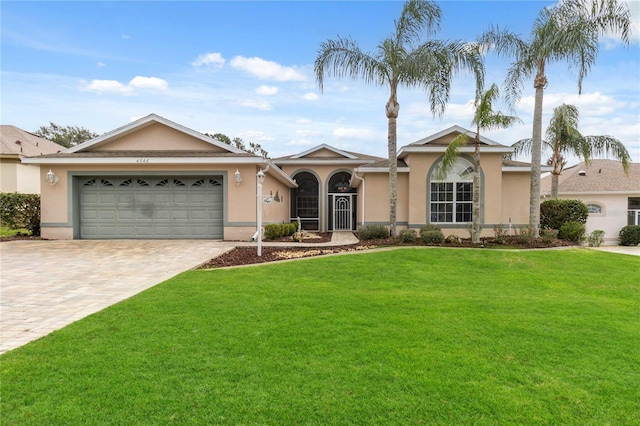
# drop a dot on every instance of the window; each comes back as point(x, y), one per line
point(305, 201)
point(451, 197)
point(594, 208)
point(633, 213)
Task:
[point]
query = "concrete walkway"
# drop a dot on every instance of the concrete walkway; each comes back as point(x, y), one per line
point(46, 285)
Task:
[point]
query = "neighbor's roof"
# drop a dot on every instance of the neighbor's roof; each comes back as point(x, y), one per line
point(18, 142)
point(601, 176)
point(326, 154)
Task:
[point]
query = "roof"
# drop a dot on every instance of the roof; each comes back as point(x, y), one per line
point(600, 176)
point(439, 141)
point(142, 123)
point(326, 154)
point(18, 142)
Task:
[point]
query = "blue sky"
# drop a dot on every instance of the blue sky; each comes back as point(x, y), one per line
point(245, 69)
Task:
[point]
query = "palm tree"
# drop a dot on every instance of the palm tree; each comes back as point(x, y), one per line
point(402, 61)
point(563, 138)
point(568, 32)
point(484, 118)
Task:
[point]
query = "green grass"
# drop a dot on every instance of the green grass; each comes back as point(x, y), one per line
point(10, 232)
point(407, 336)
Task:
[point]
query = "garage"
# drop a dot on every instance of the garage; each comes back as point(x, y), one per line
point(150, 207)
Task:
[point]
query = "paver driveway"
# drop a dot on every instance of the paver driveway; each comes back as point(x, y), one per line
point(46, 285)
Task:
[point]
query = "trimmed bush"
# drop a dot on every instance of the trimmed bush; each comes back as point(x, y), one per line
point(370, 232)
point(596, 238)
point(273, 231)
point(20, 211)
point(408, 236)
point(548, 235)
point(554, 213)
point(629, 235)
point(572, 231)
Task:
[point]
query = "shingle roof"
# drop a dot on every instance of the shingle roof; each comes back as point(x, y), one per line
point(24, 144)
point(145, 154)
point(599, 176)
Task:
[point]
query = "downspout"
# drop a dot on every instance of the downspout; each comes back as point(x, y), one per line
point(355, 174)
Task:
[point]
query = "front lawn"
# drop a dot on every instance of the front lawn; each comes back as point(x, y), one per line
point(405, 336)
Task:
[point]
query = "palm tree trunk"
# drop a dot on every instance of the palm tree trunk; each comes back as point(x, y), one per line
point(475, 209)
point(554, 185)
point(392, 109)
point(539, 84)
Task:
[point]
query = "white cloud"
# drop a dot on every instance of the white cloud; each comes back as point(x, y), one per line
point(106, 86)
point(125, 36)
point(267, 70)
point(256, 104)
point(153, 83)
point(353, 133)
point(267, 90)
point(307, 133)
point(101, 64)
point(310, 97)
point(118, 88)
point(594, 103)
point(213, 59)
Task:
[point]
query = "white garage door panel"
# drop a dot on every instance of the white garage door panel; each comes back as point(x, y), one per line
point(151, 207)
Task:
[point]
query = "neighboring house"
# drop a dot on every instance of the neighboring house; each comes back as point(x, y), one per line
point(154, 178)
point(16, 144)
point(613, 197)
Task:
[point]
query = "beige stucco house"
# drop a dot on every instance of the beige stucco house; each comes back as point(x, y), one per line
point(16, 144)
point(154, 178)
point(612, 196)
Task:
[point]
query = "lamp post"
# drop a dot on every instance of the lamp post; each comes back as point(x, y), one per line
point(260, 180)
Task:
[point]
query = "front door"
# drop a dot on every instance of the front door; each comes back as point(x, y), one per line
point(342, 212)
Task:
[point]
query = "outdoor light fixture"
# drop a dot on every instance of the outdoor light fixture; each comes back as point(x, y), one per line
point(51, 178)
point(342, 186)
point(238, 177)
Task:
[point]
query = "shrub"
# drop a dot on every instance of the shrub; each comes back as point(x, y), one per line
point(273, 231)
point(554, 213)
point(432, 237)
point(596, 238)
point(629, 235)
point(408, 236)
point(524, 235)
point(572, 231)
point(369, 232)
point(548, 235)
point(20, 211)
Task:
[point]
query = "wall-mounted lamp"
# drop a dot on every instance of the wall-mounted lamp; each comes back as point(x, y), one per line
point(238, 177)
point(51, 178)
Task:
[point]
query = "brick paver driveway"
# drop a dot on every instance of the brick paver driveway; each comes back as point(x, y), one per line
point(46, 285)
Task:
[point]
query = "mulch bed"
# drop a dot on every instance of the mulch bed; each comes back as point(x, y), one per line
point(249, 255)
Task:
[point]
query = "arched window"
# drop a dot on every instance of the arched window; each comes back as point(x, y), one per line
point(305, 201)
point(594, 208)
point(451, 196)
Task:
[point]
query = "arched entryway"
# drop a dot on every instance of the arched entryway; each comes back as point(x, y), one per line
point(341, 203)
point(305, 201)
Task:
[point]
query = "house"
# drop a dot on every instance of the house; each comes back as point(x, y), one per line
point(16, 144)
point(154, 178)
point(613, 197)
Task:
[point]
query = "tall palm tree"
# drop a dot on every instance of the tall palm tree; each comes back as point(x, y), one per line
point(570, 32)
point(563, 138)
point(402, 61)
point(484, 118)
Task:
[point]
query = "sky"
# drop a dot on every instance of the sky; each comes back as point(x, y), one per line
point(245, 69)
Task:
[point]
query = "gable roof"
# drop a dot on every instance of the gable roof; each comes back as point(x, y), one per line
point(145, 122)
point(434, 143)
point(20, 143)
point(600, 176)
point(338, 156)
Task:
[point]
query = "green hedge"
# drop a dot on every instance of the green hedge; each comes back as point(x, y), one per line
point(554, 213)
point(373, 231)
point(20, 211)
point(273, 231)
point(629, 235)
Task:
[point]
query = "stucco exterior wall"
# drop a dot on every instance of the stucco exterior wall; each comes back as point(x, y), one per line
point(156, 137)
point(613, 217)
point(8, 175)
point(515, 198)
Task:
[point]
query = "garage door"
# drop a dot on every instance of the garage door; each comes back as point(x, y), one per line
point(151, 207)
